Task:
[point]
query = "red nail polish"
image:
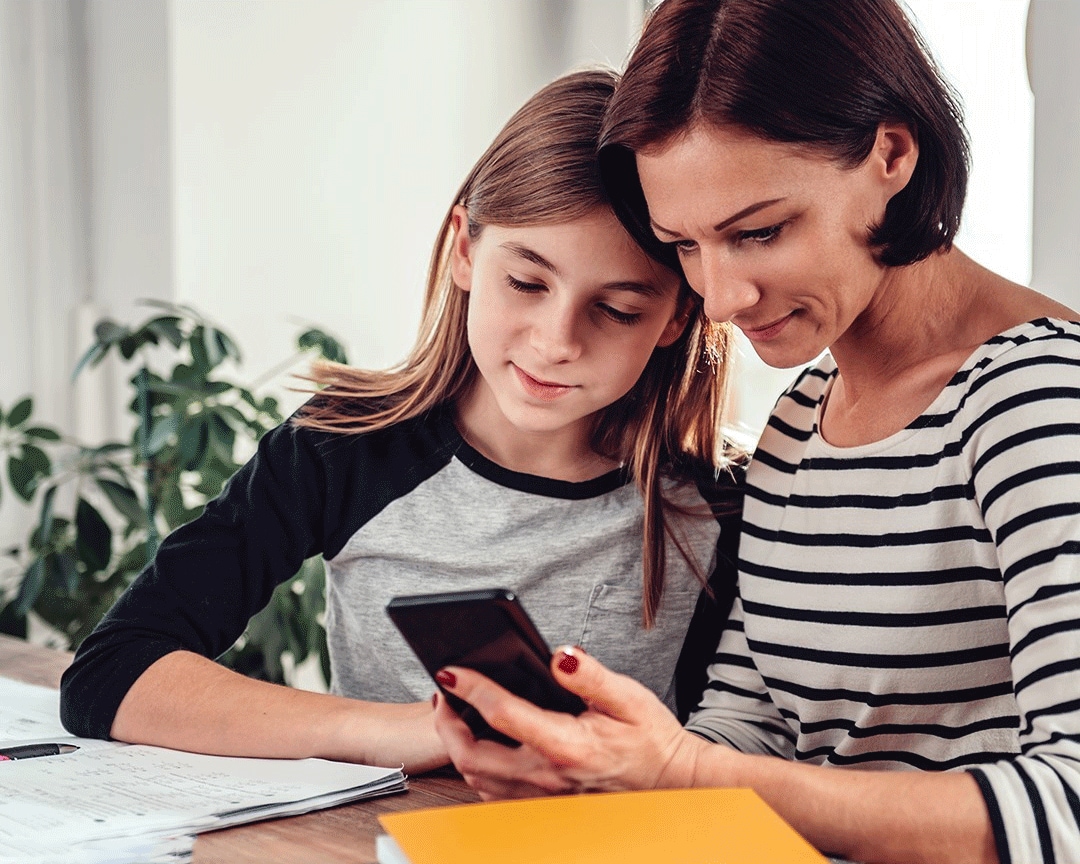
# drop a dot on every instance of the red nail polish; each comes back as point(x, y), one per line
point(568, 664)
point(435, 699)
point(447, 679)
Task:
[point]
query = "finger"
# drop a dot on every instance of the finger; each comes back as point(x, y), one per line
point(547, 731)
point(616, 695)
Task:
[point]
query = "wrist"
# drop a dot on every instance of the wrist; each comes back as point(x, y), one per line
point(684, 768)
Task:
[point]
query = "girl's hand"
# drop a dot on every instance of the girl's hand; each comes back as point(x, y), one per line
point(627, 739)
point(402, 735)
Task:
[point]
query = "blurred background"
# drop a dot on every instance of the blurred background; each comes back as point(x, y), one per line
point(281, 164)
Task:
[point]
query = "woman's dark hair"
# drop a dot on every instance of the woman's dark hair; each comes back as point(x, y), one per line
point(824, 73)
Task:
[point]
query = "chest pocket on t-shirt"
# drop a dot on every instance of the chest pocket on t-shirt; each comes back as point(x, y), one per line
point(614, 635)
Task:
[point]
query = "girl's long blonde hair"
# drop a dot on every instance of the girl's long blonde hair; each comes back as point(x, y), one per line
point(542, 169)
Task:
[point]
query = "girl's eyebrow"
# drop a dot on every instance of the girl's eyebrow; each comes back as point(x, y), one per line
point(529, 255)
point(536, 258)
point(742, 214)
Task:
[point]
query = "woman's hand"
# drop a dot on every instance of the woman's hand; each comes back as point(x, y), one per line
point(627, 739)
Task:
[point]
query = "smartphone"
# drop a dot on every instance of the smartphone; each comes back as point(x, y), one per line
point(490, 632)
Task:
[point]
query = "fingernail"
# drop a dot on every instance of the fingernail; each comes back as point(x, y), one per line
point(446, 678)
point(568, 663)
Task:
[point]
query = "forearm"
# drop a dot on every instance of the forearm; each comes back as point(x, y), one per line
point(187, 702)
point(877, 817)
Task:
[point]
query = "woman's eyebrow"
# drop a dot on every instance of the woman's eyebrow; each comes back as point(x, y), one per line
point(742, 214)
point(529, 255)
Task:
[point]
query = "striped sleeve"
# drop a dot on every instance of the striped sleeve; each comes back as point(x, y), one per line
point(1023, 440)
point(736, 708)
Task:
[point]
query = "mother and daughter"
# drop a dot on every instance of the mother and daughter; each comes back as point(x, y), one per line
point(898, 674)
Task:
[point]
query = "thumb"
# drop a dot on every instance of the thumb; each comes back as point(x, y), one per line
point(616, 695)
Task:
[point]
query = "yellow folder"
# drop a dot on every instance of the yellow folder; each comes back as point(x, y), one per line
point(671, 826)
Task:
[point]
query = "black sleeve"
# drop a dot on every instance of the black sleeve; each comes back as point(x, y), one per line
point(724, 495)
point(208, 577)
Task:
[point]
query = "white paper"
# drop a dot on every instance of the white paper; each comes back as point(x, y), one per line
point(121, 802)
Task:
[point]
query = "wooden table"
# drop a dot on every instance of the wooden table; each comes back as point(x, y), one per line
point(335, 836)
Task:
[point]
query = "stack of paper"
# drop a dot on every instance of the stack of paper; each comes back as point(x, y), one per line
point(121, 802)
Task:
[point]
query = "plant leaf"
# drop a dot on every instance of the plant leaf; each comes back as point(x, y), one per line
point(92, 357)
point(168, 328)
point(124, 499)
point(160, 433)
point(67, 571)
point(20, 412)
point(193, 440)
point(22, 477)
point(327, 345)
point(107, 331)
point(37, 459)
point(43, 433)
point(226, 344)
point(94, 538)
point(215, 353)
point(11, 623)
point(46, 521)
point(30, 588)
point(200, 361)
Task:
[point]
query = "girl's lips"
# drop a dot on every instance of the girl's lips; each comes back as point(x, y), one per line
point(540, 389)
point(769, 331)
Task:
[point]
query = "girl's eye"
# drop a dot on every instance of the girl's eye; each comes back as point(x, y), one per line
point(524, 287)
point(618, 315)
point(761, 236)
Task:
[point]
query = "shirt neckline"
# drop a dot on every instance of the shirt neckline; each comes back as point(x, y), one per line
point(519, 481)
point(918, 423)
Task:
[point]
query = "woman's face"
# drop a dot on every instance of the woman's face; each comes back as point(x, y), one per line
point(773, 236)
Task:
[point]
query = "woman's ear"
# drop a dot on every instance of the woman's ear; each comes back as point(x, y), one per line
point(461, 248)
point(895, 154)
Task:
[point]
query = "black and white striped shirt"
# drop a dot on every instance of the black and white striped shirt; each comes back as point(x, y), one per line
point(914, 603)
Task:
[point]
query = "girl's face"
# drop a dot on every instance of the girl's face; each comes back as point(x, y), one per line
point(774, 236)
point(562, 318)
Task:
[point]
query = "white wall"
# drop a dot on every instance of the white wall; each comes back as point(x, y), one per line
point(317, 144)
point(1054, 60)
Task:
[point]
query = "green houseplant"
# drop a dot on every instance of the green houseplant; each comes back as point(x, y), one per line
point(100, 511)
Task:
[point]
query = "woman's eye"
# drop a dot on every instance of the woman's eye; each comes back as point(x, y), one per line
point(524, 287)
point(761, 236)
point(685, 247)
point(618, 315)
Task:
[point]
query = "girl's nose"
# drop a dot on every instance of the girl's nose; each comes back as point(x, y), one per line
point(555, 338)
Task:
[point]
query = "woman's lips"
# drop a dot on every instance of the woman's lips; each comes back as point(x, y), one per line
point(767, 332)
point(540, 389)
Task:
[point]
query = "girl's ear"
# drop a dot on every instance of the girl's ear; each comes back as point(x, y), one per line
point(461, 248)
point(677, 324)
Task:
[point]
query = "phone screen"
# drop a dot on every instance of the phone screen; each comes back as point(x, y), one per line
point(488, 631)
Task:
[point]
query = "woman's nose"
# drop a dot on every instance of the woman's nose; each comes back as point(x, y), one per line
point(725, 289)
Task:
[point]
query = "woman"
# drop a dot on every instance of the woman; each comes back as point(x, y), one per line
point(907, 584)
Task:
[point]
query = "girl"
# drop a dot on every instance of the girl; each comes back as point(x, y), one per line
point(553, 431)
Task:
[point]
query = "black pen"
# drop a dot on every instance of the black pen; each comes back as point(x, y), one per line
point(29, 751)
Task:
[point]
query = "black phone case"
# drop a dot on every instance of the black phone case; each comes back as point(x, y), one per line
point(490, 632)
